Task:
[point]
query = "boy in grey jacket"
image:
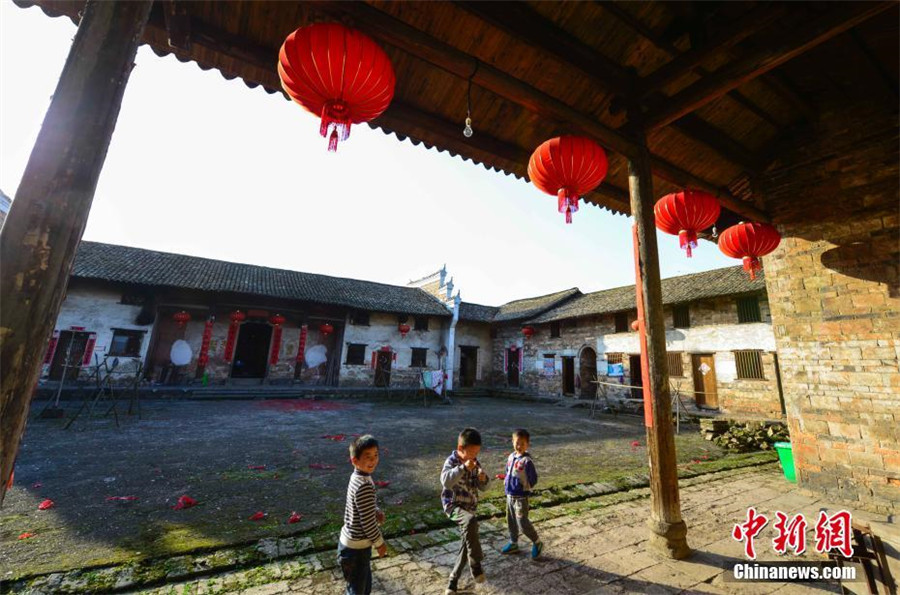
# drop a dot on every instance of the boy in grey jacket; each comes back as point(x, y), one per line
point(461, 478)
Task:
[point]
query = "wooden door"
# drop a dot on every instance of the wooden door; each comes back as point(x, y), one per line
point(383, 368)
point(568, 375)
point(251, 352)
point(588, 373)
point(468, 364)
point(636, 376)
point(72, 344)
point(512, 367)
point(704, 368)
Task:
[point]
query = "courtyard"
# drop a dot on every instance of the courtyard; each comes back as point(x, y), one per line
point(115, 489)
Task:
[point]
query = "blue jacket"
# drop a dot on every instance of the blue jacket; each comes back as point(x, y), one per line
point(521, 476)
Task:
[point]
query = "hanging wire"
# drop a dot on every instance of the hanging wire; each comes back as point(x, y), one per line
point(467, 131)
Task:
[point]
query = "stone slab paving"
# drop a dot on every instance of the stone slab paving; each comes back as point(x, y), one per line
point(598, 545)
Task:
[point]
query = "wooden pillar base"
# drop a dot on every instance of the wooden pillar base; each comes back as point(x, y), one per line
point(669, 539)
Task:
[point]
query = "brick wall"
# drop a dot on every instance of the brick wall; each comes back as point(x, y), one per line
point(833, 289)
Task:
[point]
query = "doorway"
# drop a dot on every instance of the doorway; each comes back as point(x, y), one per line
point(73, 343)
point(568, 375)
point(704, 368)
point(637, 377)
point(251, 354)
point(588, 373)
point(468, 366)
point(512, 368)
point(383, 368)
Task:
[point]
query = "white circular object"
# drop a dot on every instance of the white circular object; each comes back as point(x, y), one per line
point(180, 353)
point(316, 355)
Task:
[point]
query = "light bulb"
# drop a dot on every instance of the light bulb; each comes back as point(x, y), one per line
point(467, 131)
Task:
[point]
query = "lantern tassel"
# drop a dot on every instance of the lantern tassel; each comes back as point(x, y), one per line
point(567, 203)
point(751, 265)
point(687, 239)
point(335, 117)
point(333, 141)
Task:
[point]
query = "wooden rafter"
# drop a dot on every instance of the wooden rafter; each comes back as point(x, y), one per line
point(178, 24)
point(837, 20)
point(391, 31)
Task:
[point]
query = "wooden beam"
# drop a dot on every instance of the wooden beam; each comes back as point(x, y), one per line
point(178, 24)
point(523, 22)
point(398, 34)
point(757, 19)
point(711, 136)
point(771, 55)
point(47, 218)
point(668, 531)
point(890, 83)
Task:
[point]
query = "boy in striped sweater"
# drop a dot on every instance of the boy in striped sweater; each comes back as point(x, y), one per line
point(360, 532)
point(461, 478)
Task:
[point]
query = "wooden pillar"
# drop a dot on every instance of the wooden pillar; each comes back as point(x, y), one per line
point(668, 532)
point(51, 206)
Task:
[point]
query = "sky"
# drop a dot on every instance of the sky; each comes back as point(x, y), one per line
point(204, 166)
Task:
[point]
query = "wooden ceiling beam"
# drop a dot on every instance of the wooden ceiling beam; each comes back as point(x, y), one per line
point(524, 23)
point(394, 32)
point(757, 19)
point(178, 24)
point(842, 18)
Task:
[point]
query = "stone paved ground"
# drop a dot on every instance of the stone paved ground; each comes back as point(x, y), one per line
point(206, 450)
point(598, 545)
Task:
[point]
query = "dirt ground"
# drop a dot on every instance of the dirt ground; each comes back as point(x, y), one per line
point(236, 458)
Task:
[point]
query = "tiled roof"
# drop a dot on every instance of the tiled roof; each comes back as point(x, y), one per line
point(477, 312)
point(124, 264)
point(533, 306)
point(675, 290)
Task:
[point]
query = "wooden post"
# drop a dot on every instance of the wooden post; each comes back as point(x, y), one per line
point(51, 206)
point(668, 532)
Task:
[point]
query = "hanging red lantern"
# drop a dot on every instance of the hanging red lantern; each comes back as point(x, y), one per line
point(237, 317)
point(567, 166)
point(404, 329)
point(181, 318)
point(277, 320)
point(528, 331)
point(683, 214)
point(203, 358)
point(326, 329)
point(338, 74)
point(750, 242)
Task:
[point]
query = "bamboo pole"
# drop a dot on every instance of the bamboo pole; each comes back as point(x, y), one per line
point(47, 217)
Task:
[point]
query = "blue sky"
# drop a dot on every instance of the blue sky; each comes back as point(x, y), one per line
point(204, 166)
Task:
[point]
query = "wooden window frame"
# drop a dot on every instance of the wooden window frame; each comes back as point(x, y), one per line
point(684, 320)
point(749, 364)
point(132, 334)
point(420, 323)
point(675, 361)
point(555, 330)
point(351, 350)
point(749, 310)
point(421, 352)
point(615, 358)
point(620, 327)
point(360, 318)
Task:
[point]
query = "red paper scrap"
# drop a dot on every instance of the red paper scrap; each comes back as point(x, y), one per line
point(500, 476)
point(257, 516)
point(37, 485)
point(382, 484)
point(121, 498)
point(256, 467)
point(26, 535)
point(324, 466)
point(46, 504)
point(335, 437)
point(399, 502)
point(295, 518)
point(635, 444)
point(185, 502)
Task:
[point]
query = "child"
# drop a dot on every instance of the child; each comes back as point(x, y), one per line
point(461, 478)
point(521, 476)
point(360, 532)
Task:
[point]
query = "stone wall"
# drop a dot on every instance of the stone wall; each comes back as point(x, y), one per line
point(833, 288)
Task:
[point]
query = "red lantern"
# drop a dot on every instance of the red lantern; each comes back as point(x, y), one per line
point(338, 74)
point(685, 213)
point(567, 166)
point(326, 329)
point(181, 318)
point(528, 331)
point(237, 317)
point(749, 241)
point(404, 329)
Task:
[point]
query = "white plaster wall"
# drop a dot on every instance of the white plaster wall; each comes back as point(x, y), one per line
point(701, 339)
point(382, 331)
point(474, 334)
point(98, 310)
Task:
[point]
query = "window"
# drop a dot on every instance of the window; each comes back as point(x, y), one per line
point(748, 309)
point(614, 358)
point(493, 332)
point(749, 365)
point(359, 318)
point(356, 354)
point(681, 316)
point(133, 299)
point(676, 364)
point(570, 323)
point(421, 323)
point(419, 357)
point(622, 322)
point(126, 343)
point(554, 330)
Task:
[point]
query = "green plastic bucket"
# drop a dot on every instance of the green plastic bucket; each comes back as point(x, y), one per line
point(786, 456)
